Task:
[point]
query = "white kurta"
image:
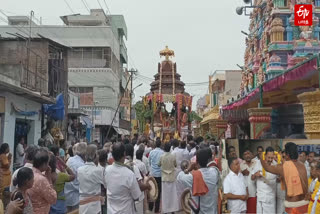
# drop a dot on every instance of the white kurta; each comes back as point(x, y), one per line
point(122, 189)
point(266, 191)
point(250, 183)
point(169, 197)
point(181, 154)
point(90, 178)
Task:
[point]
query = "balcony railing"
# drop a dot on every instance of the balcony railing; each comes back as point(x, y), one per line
point(33, 75)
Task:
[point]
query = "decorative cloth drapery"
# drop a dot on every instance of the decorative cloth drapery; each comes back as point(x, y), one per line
point(251, 96)
point(300, 72)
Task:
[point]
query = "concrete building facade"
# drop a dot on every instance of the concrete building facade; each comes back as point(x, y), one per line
point(32, 73)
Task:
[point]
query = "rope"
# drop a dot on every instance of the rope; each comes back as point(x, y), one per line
point(160, 83)
point(173, 80)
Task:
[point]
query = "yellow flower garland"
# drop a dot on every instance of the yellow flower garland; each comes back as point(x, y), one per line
point(316, 189)
point(263, 158)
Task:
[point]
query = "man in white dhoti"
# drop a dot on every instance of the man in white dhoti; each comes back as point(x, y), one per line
point(90, 178)
point(169, 192)
point(247, 167)
point(181, 154)
point(266, 185)
point(122, 186)
point(128, 161)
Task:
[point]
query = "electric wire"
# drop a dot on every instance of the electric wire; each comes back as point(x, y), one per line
point(85, 5)
point(68, 5)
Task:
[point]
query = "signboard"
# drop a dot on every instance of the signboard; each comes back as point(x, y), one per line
point(303, 15)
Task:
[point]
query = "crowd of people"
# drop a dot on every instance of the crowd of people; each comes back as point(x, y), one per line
point(111, 178)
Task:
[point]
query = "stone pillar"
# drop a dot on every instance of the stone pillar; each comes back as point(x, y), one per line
point(311, 111)
point(260, 121)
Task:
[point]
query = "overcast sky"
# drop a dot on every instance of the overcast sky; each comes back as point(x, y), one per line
point(204, 34)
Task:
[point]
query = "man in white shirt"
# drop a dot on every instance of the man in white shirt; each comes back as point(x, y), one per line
point(145, 160)
point(313, 176)
point(260, 150)
point(20, 152)
point(193, 149)
point(122, 186)
point(128, 161)
point(181, 153)
point(139, 163)
point(235, 188)
point(247, 167)
point(266, 185)
point(303, 158)
point(90, 178)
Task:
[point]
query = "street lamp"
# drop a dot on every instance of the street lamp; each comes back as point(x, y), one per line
point(239, 10)
point(136, 87)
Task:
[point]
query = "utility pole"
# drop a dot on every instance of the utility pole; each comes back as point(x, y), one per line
point(131, 71)
point(115, 114)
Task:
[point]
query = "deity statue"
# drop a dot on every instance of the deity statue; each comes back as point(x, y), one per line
point(184, 119)
point(243, 83)
point(167, 138)
point(269, 5)
point(246, 56)
point(250, 80)
point(166, 119)
point(260, 76)
point(147, 129)
point(157, 117)
point(306, 32)
point(246, 81)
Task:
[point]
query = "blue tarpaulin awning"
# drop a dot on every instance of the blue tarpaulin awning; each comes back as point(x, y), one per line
point(87, 121)
point(55, 111)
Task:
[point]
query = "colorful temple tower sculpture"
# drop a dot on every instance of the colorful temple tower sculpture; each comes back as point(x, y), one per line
point(168, 88)
point(281, 61)
point(275, 67)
